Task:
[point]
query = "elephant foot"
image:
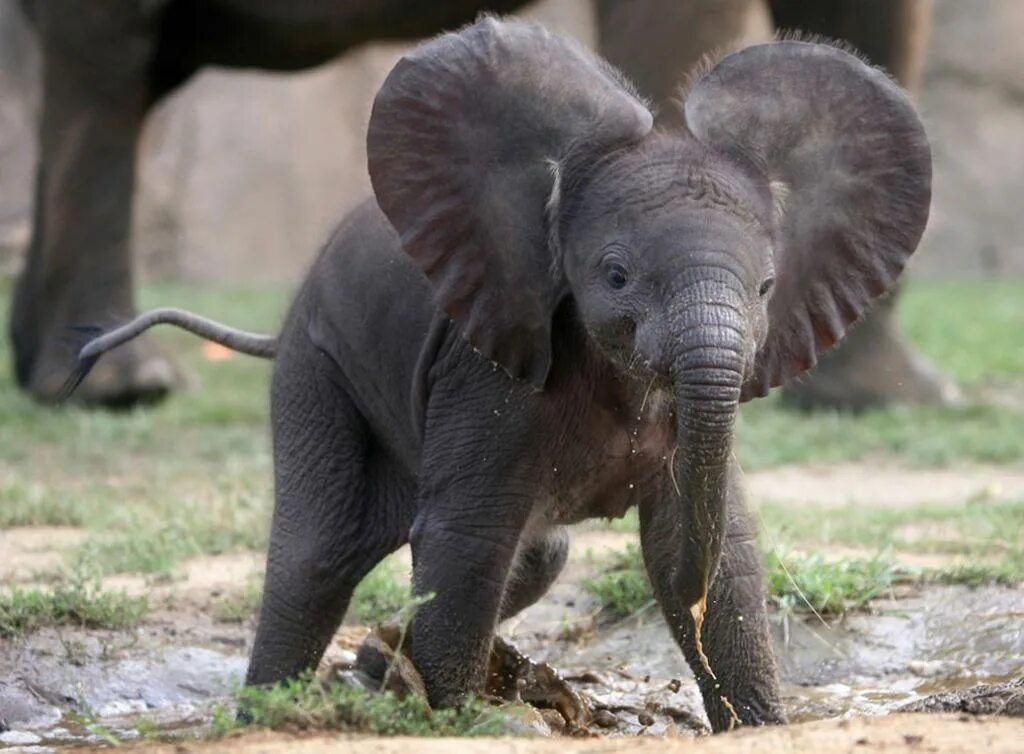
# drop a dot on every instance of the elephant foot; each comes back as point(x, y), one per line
point(875, 367)
point(137, 373)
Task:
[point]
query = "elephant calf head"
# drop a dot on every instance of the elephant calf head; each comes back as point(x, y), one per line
point(521, 171)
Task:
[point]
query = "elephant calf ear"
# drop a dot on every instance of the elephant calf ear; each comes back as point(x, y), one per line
point(847, 157)
point(459, 144)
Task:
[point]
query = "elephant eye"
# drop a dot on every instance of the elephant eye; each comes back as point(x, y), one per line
point(615, 274)
point(766, 286)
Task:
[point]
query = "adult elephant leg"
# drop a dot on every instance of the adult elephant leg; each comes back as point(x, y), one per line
point(340, 508)
point(734, 636)
point(874, 365)
point(537, 565)
point(657, 43)
point(96, 63)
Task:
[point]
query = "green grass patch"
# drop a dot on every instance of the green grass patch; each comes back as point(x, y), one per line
point(830, 588)
point(1005, 573)
point(178, 522)
point(988, 535)
point(380, 596)
point(771, 435)
point(795, 583)
point(307, 703)
point(79, 602)
point(974, 330)
point(983, 529)
point(622, 587)
point(156, 484)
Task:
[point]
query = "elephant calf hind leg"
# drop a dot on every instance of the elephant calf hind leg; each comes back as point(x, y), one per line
point(536, 567)
point(332, 521)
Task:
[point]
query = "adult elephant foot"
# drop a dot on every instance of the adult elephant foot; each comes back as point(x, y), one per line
point(136, 373)
point(872, 368)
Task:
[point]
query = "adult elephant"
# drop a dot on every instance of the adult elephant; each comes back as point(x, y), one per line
point(106, 62)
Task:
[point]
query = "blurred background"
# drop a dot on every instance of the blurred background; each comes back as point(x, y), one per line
point(243, 174)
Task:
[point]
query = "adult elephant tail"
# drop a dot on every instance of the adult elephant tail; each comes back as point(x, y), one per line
point(98, 343)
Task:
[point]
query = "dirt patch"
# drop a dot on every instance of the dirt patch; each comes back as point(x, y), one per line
point(197, 583)
point(883, 487)
point(894, 734)
point(25, 552)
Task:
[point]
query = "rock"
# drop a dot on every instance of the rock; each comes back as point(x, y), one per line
point(524, 720)
point(19, 737)
point(989, 699)
point(605, 718)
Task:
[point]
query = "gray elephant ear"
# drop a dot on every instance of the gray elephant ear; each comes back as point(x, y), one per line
point(460, 146)
point(848, 164)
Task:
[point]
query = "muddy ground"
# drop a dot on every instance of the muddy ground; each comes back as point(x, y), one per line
point(841, 681)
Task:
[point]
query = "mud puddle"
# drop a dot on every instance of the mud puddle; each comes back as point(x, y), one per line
point(65, 688)
point(934, 640)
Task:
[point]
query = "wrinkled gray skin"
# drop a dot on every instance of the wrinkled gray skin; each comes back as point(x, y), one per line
point(106, 63)
point(551, 312)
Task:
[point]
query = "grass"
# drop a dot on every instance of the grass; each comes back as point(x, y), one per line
point(307, 703)
point(795, 583)
point(380, 596)
point(192, 476)
point(622, 586)
point(830, 588)
point(152, 485)
point(987, 535)
point(925, 437)
point(79, 602)
point(973, 332)
point(971, 328)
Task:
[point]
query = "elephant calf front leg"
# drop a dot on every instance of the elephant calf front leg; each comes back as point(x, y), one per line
point(734, 637)
point(477, 488)
point(461, 569)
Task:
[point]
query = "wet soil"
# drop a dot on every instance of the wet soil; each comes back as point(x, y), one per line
point(936, 649)
point(58, 686)
point(901, 733)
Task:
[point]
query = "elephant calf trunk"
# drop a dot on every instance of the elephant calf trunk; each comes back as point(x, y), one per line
point(707, 382)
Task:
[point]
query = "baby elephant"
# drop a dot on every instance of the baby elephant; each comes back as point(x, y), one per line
point(551, 311)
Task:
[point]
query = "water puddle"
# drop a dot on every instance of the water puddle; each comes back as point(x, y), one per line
point(78, 687)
